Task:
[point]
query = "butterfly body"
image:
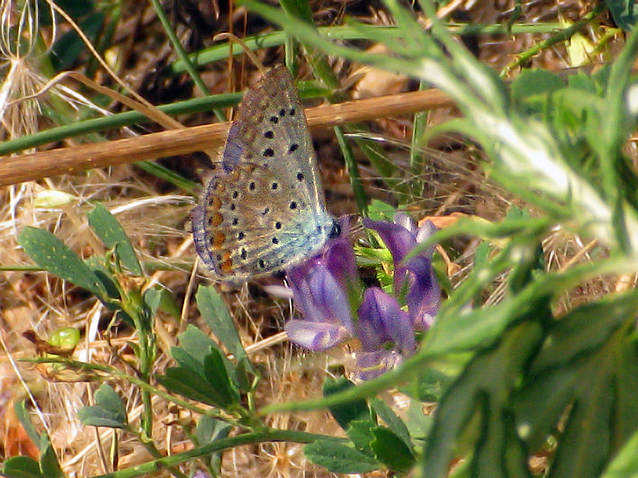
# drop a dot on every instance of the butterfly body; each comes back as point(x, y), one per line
point(264, 209)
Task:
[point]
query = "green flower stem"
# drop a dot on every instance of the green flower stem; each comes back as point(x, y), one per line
point(219, 445)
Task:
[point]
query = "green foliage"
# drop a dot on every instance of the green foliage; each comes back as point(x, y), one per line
point(108, 411)
point(27, 467)
point(510, 377)
point(625, 13)
point(339, 457)
point(48, 252)
point(113, 236)
point(204, 374)
point(348, 412)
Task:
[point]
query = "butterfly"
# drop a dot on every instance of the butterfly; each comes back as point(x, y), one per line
point(264, 209)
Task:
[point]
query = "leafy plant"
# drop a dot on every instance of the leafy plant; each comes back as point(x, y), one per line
point(511, 378)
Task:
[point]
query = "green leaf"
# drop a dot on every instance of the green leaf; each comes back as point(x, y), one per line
point(209, 430)
point(24, 418)
point(158, 297)
point(585, 444)
point(195, 345)
point(391, 450)
point(419, 424)
point(360, 432)
point(217, 375)
point(245, 373)
point(344, 414)
point(107, 282)
point(192, 385)
point(533, 83)
point(625, 13)
point(626, 386)
point(188, 361)
point(430, 384)
point(394, 423)
point(625, 464)
point(587, 363)
point(554, 391)
point(584, 330)
point(52, 255)
point(215, 314)
point(70, 45)
point(49, 464)
point(108, 411)
point(475, 407)
point(21, 467)
point(113, 236)
point(339, 458)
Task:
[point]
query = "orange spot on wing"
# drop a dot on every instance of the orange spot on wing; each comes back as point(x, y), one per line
point(217, 219)
point(227, 263)
point(218, 239)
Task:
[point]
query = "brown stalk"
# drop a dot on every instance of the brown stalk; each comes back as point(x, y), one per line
point(31, 167)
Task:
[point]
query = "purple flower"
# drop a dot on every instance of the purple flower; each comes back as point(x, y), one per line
point(382, 323)
point(336, 307)
point(414, 279)
point(320, 291)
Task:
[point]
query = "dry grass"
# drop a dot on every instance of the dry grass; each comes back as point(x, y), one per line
point(154, 214)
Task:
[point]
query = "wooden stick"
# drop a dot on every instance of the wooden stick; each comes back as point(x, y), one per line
point(31, 167)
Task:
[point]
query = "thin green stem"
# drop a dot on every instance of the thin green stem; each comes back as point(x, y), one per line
point(219, 445)
point(560, 36)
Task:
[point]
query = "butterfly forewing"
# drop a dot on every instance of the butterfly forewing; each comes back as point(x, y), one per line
point(265, 210)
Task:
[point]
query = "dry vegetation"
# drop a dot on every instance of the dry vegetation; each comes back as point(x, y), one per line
point(155, 215)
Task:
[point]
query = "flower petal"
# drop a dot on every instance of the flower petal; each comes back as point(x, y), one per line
point(381, 320)
point(397, 238)
point(341, 261)
point(424, 294)
point(372, 364)
point(315, 336)
point(329, 298)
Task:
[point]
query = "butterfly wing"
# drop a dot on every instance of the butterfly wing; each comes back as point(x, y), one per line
point(264, 210)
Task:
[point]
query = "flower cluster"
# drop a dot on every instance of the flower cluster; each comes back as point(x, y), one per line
point(336, 307)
